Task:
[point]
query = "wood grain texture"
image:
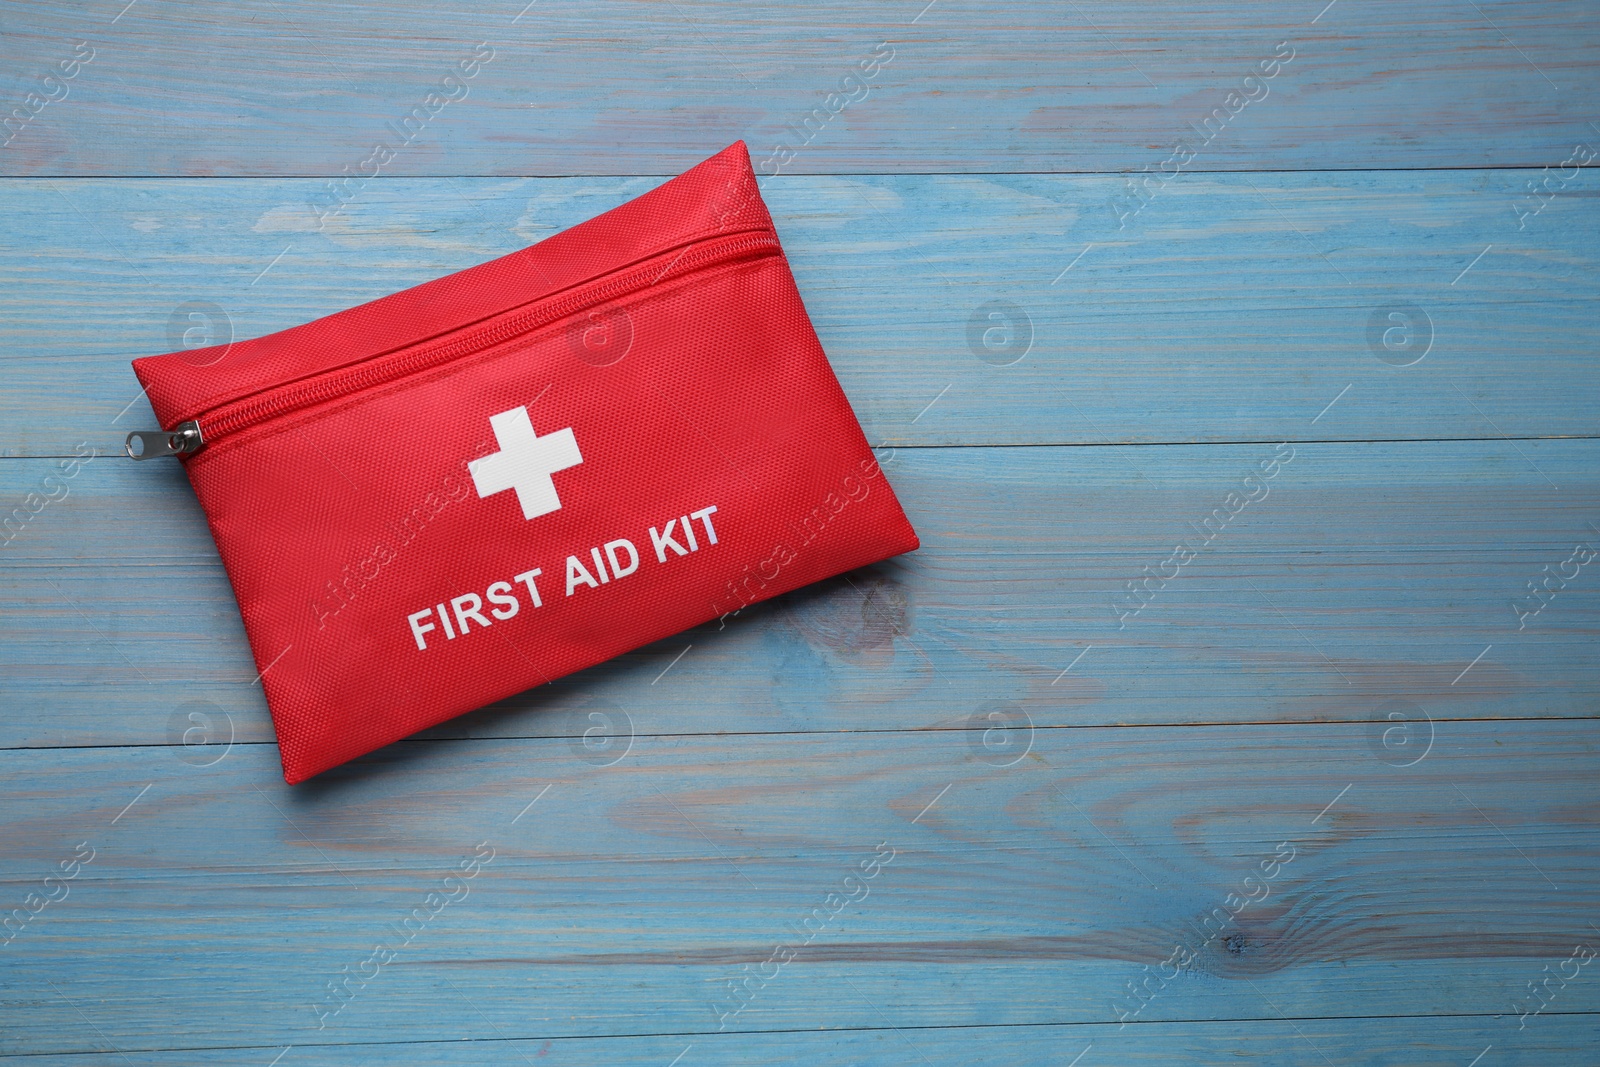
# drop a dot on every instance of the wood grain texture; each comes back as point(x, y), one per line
point(1070, 786)
point(621, 899)
point(1367, 574)
point(1435, 1041)
point(267, 88)
point(1232, 307)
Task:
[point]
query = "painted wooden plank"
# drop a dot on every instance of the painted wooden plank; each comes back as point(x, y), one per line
point(264, 88)
point(1041, 863)
point(1232, 307)
point(1445, 1041)
point(218, 903)
point(1367, 574)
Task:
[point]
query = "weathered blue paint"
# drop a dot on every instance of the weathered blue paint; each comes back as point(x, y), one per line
point(1338, 712)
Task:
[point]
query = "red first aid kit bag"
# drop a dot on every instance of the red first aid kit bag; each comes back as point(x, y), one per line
point(449, 495)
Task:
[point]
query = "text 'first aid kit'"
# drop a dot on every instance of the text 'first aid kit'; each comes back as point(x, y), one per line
point(478, 485)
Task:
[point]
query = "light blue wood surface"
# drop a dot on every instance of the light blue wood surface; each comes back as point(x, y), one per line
point(1305, 1043)
point(633, 87)
point(1232, 308)
point(622, 899)
point(1323, 601)
point(1346, 674)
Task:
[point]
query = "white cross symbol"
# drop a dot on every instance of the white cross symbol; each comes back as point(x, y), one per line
point(525, 462)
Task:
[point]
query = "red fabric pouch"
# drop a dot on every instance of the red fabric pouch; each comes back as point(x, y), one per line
point(449, 495)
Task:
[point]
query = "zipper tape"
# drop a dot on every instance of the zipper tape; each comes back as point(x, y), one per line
point(262, 406)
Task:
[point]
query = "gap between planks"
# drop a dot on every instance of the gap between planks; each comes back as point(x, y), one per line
point(1113, 444)
point(840, 732)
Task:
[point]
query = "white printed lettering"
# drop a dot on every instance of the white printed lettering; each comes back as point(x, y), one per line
point(526, 578)
point(475, 612)
point(617, 570)
point(576, 572)
point(704, 515)
point(420, 628)
point(663, 541)
point(503, 597)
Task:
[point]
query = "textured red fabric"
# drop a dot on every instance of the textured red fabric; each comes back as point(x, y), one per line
point(380, 530)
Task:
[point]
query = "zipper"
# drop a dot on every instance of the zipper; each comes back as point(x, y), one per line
point(184, 439)
point(253, 409)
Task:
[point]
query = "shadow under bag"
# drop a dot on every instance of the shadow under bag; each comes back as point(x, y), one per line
point(449, 495)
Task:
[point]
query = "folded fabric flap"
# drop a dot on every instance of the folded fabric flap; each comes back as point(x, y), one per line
point(717, 197)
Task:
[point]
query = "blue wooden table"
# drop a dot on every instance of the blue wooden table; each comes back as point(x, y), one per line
point(1236, 363)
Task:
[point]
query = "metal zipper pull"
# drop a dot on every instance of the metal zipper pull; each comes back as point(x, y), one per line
point(182, 440)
